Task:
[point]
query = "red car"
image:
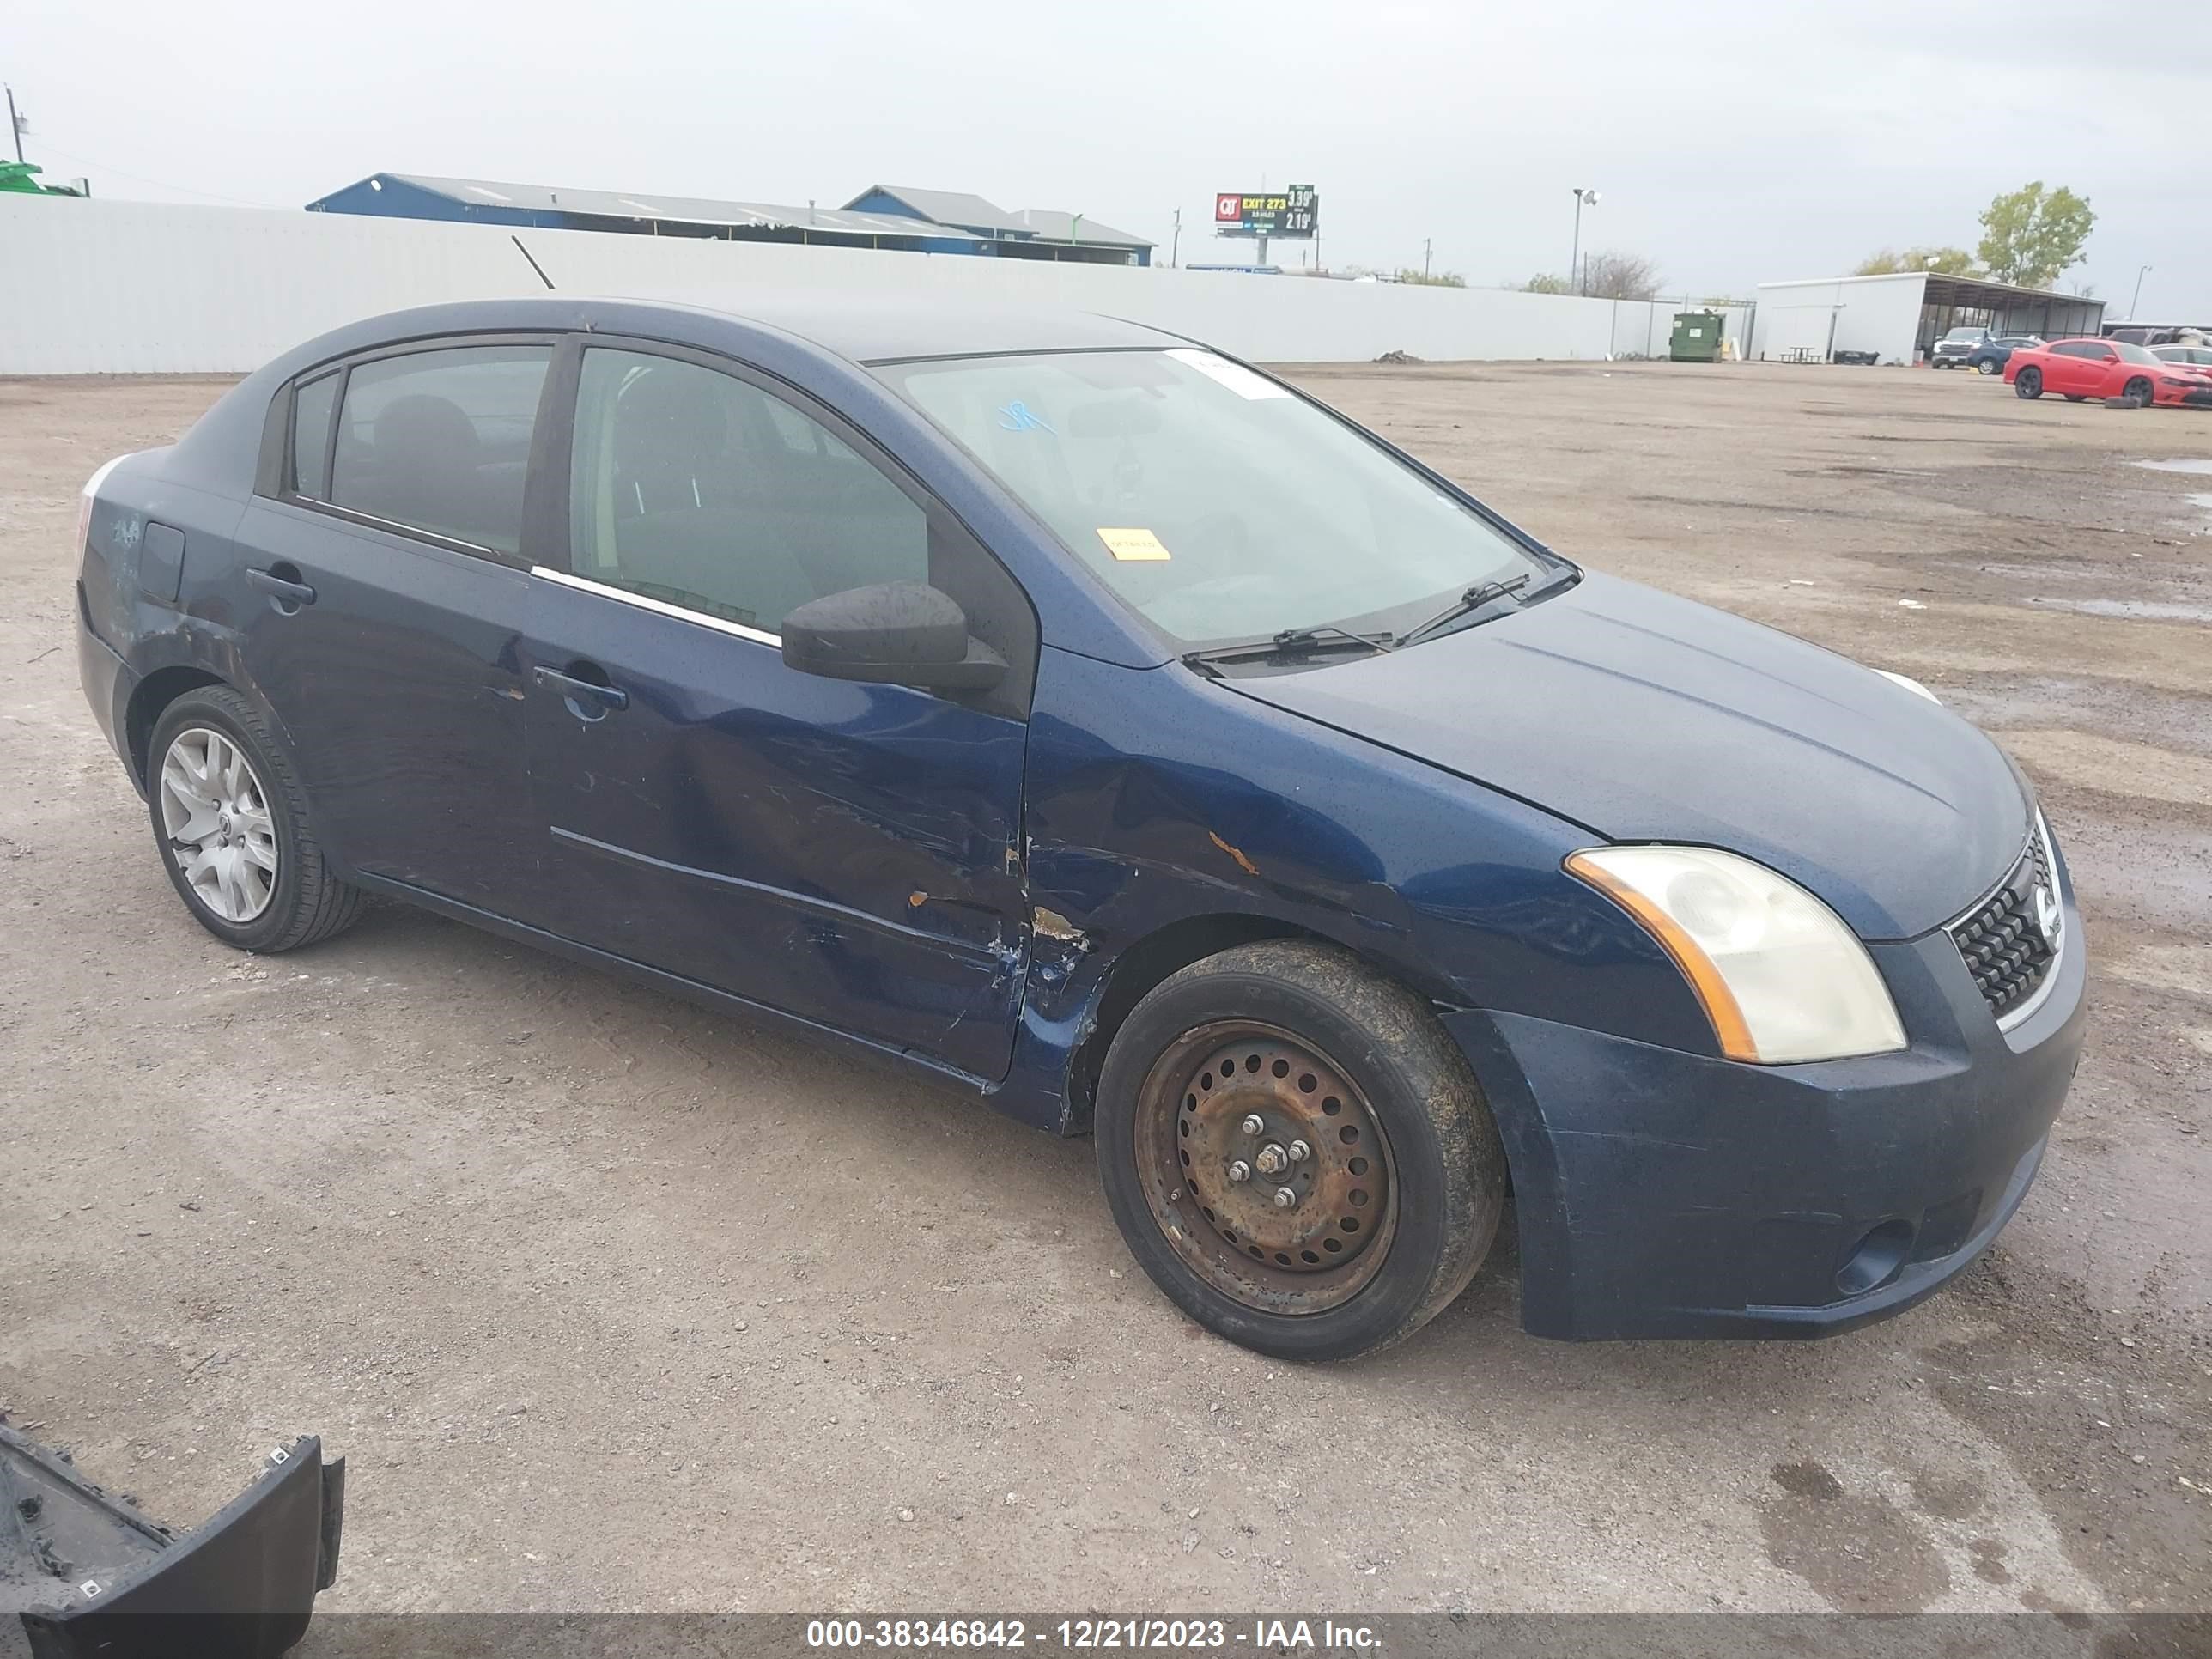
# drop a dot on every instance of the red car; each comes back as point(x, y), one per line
point(2079, 370)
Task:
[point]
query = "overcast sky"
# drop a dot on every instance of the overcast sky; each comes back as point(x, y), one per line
point(1733, 143)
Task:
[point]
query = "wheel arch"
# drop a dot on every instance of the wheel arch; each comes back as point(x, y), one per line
point(1167, 950)
point(148, 698)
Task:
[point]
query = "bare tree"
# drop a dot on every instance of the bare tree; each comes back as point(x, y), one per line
point(1618, 276)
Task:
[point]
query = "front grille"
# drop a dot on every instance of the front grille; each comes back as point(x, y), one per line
point(2009, 942)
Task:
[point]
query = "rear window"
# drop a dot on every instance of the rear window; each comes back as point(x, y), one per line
point(439, 440)
point(312, 405)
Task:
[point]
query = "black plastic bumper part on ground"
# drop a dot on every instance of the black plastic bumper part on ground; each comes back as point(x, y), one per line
point(92, 1577)
point(1661, 1193)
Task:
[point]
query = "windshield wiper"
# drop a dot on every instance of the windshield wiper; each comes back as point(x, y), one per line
point(1291, 642)
point(1474, 599)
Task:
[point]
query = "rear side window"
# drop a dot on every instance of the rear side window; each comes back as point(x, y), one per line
point(312, 406)
point(439, 440)
point(699, 489)
point(2079, 349)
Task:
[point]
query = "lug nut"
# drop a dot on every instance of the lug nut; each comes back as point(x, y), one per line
point(1254, 1124)
point(1300, 1151)
point(1272, 1160)
point(1284, 1197)
point(1240, 1170)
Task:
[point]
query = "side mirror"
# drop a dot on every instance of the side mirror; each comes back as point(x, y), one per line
point(897, 633)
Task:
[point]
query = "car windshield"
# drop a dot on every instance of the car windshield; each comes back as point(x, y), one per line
point(1217, 504)
point(1965, 334)
point(2135, 353)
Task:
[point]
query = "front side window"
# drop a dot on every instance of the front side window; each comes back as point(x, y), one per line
point(439, 440)
point(693, 486)
point(2135, 353)
point(1216, 503)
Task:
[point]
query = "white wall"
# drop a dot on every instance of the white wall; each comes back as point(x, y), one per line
point(94, 287)
point(1880, 315)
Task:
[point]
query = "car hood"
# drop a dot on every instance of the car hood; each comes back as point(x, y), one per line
point(1645, 717)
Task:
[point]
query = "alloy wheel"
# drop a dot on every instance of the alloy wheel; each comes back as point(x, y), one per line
point(1265, 1168)
point(216, 818)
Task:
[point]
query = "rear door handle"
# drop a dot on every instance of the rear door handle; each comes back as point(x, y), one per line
point(583, 695)
point(282, 583)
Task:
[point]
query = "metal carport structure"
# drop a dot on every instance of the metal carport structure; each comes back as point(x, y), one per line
point(1894, 318)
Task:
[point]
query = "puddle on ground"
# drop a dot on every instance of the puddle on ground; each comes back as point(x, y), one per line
point(2138, 609)
point(2190, 465)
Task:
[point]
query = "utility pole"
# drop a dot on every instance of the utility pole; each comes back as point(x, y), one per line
point(1583, 195)
point(1425, 254)
point(1175, 248)
point(14, 124)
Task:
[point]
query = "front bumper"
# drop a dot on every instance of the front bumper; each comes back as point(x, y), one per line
point(1666, 1194)
point(2186, 397)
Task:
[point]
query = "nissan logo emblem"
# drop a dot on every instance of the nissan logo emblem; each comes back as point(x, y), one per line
point(2049, 919)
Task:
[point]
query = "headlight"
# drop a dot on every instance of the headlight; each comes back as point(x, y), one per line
point(1781, 977)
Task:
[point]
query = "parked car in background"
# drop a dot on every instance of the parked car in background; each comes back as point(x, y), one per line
point(2084, 368)
point(1954, 349)
point(2196, 356)
point(1111, 730)
point(1990, 356)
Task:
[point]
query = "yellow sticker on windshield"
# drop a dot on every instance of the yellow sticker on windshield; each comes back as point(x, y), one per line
point(1133, 544)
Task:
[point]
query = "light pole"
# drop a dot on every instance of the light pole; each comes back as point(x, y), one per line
point(2137, 301)
point(1425, 243)
point(1583, 197)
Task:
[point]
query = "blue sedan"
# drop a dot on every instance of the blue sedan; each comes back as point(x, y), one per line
point(1105, 726)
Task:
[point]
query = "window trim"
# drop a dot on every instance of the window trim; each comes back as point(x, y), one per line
point(659, 607)
point(277, 487)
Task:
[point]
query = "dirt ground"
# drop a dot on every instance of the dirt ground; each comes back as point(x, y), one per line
point(613, 1303)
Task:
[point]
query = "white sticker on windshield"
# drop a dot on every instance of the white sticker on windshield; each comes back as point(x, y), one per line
point(1237, 377)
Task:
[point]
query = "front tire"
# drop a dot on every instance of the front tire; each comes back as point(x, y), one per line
point(230, 822)
point(1292, 1068)
point(2137, 393)
point(2028, 383)
point(1989, 365)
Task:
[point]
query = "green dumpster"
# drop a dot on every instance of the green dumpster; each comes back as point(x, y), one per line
point(1696, 338)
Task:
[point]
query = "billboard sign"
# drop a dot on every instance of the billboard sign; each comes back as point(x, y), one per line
point(1292, 212)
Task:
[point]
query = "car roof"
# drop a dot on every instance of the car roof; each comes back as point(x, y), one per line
point(871, 328)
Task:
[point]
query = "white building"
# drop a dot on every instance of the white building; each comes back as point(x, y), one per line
point(1898, 317)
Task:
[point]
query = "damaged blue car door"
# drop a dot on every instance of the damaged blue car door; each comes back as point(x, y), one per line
point(846, 853)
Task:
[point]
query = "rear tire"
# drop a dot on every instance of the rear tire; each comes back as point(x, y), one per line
point(2028, 383)
point(1369, 1117)
point(230, 822)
